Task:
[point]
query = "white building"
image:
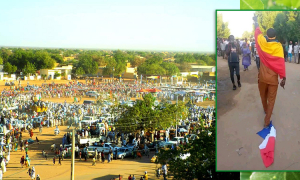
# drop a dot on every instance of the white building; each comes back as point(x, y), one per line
point(63, 69)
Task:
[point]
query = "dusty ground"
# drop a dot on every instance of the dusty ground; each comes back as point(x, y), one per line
point(240, 116)
point(83, 170)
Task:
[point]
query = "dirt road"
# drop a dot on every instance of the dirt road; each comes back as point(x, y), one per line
point(83, 170)
point(240, 116)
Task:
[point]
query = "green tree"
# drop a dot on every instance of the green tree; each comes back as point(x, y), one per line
point(266, 19)
point(137, 61)
point(56, 74)
point(79, 71)
point(185, 67)
point(42, 60)
point(1, 60)
point(280, 27)
point(222, 28)
point(171, 68)
point(29, 69)
point(9, 68)
point(145, 116)
point(247, 35)
point(199, 164)
point(87, 63)
point(58, 58)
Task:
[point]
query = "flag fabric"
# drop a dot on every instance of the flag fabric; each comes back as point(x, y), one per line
point(270, 53)
point(267, 147)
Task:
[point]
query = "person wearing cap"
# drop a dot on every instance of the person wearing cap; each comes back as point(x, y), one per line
point(272, 65)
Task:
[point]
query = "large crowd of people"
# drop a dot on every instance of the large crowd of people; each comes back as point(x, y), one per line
point(21, 104)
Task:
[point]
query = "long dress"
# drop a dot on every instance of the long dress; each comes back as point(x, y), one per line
point(246, 57)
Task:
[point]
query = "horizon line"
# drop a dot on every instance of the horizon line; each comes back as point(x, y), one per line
point(32, 47)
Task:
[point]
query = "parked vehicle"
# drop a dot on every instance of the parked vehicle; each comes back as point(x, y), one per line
point(176, 140)
point(93, 94)
point(151, 146)
point(123, 152)
point(88, 102)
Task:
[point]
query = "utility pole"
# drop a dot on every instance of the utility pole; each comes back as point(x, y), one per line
point(176, 115)
point(73, 156)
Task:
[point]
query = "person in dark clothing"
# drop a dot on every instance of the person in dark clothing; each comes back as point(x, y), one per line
point(59, 160)
point(116, 153)
point(233, 51)
point(102, 156)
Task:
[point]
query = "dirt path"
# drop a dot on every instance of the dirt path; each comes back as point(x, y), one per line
point(240, 116)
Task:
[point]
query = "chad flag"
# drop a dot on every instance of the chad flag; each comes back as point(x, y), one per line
point(270, 53)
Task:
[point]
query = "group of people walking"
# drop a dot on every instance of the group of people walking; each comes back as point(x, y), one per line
point(270, 56)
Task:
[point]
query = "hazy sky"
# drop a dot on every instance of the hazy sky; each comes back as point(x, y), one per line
point(185, 25)
point(238, 21)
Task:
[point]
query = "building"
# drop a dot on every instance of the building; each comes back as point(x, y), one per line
point(68, 58)
point(200, 68)
point(67, 70)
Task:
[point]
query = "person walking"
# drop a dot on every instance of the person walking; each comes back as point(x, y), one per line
point(109, 155)
point(146, 176)
point(290, 51)
point(46, 155)
point(80, 155)
point(272, 65)
point(102, 156)
point(94, 161)
point(246, 62)
point(133, 178)
point(257, 60)
point(232, 52)
point(54, 160)
point(223, 45)
point(296, 53)
point(59, 159)
point(22, 161)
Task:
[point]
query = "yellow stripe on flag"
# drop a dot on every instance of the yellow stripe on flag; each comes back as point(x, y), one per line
point(272, 48)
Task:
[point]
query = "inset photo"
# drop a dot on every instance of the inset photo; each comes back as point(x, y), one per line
point(258, 90)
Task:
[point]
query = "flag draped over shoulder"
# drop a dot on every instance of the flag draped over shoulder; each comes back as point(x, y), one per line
point(268, 145)
point(270, 53)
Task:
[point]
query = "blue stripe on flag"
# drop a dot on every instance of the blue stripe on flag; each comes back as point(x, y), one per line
point(265, 131)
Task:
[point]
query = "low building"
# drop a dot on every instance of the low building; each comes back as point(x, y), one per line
point(66, 70)
point(68, 58)
point(200, 68)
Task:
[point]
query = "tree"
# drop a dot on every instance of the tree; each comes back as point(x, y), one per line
point(44, 76)
point(222, 28)
point(58, 58)
point(266, 19)
point(79, 71)
point(280, 27)
point(56, 74)
point(171, 68)
point(145, 116)
point(88, 65)
point(185, 67)
point(42, 60)
point(247, 35)
point(201, 162)
point(1, 60)
point(63, 74)
point(29, 69)
point(137, 61)
point(9, 68)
